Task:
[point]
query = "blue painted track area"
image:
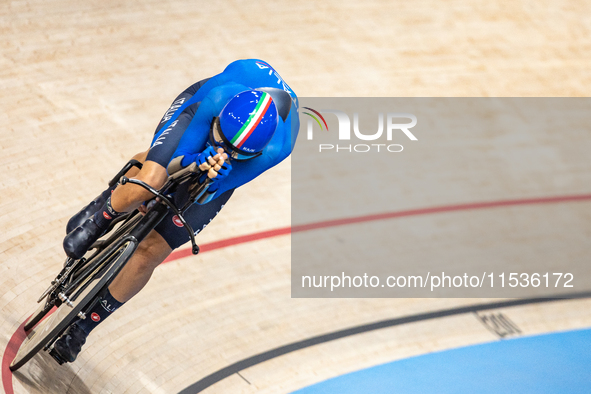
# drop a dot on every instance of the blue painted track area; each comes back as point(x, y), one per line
point(556, 363)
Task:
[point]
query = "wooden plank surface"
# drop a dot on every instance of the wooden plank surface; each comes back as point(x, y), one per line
point(83, 85)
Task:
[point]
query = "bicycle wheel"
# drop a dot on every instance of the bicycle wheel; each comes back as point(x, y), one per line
point(42, 310)
point(113, 258)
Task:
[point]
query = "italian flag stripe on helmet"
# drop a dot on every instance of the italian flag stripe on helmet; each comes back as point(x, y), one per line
point(253, 120)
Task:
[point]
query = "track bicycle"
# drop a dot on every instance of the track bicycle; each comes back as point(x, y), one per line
point(75, 289)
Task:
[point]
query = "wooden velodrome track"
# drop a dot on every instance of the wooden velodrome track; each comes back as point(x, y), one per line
point(83, 86)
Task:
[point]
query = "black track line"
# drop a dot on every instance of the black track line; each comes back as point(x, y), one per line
point(225, 372)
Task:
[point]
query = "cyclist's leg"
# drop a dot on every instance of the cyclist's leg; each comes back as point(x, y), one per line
point(133, 277)
point(150, 253)
point(166, 237)
point(136, 273)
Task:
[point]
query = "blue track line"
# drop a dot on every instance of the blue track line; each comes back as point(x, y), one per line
point(556, 363)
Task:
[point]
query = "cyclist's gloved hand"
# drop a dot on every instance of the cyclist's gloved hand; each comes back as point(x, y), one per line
point(208, 158)
point(219, 174)
point(216, 175)
point(212, 161)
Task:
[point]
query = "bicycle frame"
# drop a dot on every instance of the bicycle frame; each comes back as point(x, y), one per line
point(149, 221)
point(76, 286)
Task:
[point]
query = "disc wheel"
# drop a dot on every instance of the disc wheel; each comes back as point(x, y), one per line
point(49, 329)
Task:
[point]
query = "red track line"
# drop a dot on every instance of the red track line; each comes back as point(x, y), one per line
point(224, 243)
point(19, 336)
point(15, 342)
point(11, 348)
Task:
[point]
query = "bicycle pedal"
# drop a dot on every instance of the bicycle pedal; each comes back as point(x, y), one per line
point(57, 357)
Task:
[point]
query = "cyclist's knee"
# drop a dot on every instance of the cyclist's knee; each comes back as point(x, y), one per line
point(153, 174)
point(152, 251)
point(141, 157)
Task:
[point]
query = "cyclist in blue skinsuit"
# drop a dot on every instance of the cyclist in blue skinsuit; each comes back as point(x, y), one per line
point(235, 126)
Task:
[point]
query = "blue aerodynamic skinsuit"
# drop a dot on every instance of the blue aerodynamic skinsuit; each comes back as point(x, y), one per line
point(184, 131)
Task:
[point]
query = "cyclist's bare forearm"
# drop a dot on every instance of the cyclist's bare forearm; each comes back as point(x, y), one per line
point(128, 197)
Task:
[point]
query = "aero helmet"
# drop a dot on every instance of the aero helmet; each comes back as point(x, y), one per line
point(246, 124)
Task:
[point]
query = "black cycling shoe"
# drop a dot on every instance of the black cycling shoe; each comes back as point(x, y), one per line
point(69, 344)
point(78, 241)
point(85, 213)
